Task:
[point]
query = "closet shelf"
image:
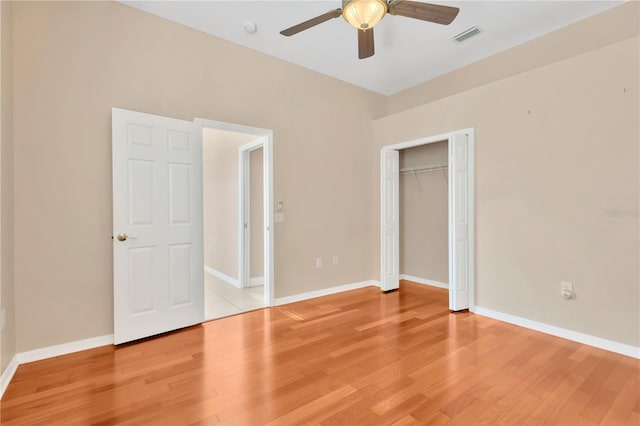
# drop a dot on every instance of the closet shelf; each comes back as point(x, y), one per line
point(425, 168)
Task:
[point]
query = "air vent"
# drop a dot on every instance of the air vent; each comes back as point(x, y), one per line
point(466, 34)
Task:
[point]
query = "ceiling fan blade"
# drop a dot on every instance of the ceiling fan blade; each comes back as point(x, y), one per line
point(311, 22)
point(365, 43)
point(424, 11)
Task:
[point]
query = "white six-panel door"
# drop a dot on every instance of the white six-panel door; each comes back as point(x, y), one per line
point(157, 224)
point(390, 221)
point(459, 200)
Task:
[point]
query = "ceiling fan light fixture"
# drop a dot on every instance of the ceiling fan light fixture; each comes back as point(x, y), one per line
point(364, 14)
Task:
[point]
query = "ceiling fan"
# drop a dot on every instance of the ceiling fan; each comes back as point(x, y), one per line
point(365, 14)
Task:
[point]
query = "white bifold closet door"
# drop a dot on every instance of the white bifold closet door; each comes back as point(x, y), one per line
point(390, 221)
point(459, 204)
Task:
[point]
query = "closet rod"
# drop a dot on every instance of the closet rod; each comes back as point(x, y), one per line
point(425, 168)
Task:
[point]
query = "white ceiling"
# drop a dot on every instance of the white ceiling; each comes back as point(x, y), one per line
point(408, 51)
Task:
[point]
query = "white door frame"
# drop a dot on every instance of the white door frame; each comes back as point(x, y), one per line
point(244, 209)
point(265, 139)
point(451, 195)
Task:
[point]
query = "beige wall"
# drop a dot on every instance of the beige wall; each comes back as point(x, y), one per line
point(424, 223)
point(256, 214)
point(556, 148)
point(557, 145)
point(74, 61)
point(8, 339)
point(220, 171)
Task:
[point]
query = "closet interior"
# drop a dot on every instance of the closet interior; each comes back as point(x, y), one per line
point(424, 210)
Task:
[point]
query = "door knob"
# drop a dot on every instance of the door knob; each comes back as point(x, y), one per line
point(122, 237)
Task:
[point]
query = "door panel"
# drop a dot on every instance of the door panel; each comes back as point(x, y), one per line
point(390, 251)
point(140, 267)
point(179, 194)
point(157, 203)
point(140, 192)
point(459, 226)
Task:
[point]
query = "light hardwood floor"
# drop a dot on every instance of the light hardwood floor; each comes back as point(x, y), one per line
point(356, 358)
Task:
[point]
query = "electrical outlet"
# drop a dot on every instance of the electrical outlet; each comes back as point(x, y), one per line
point(319, 262)
point(335, 260)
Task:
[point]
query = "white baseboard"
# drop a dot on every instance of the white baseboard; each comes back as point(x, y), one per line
point(418, 280)
point(64, 349)
point(256, 281)
point(224, 277)
point(8, 373)
point(50, 352)
point(324, 292)
point(586, 339)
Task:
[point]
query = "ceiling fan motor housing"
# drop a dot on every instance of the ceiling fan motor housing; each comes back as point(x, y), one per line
point(363, 14)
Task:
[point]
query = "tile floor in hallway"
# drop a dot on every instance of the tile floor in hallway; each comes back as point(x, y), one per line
point(222, 299)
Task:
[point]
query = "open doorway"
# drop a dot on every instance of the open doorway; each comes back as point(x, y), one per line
point(251, 248)
point(460, 229)
point(237, 241)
